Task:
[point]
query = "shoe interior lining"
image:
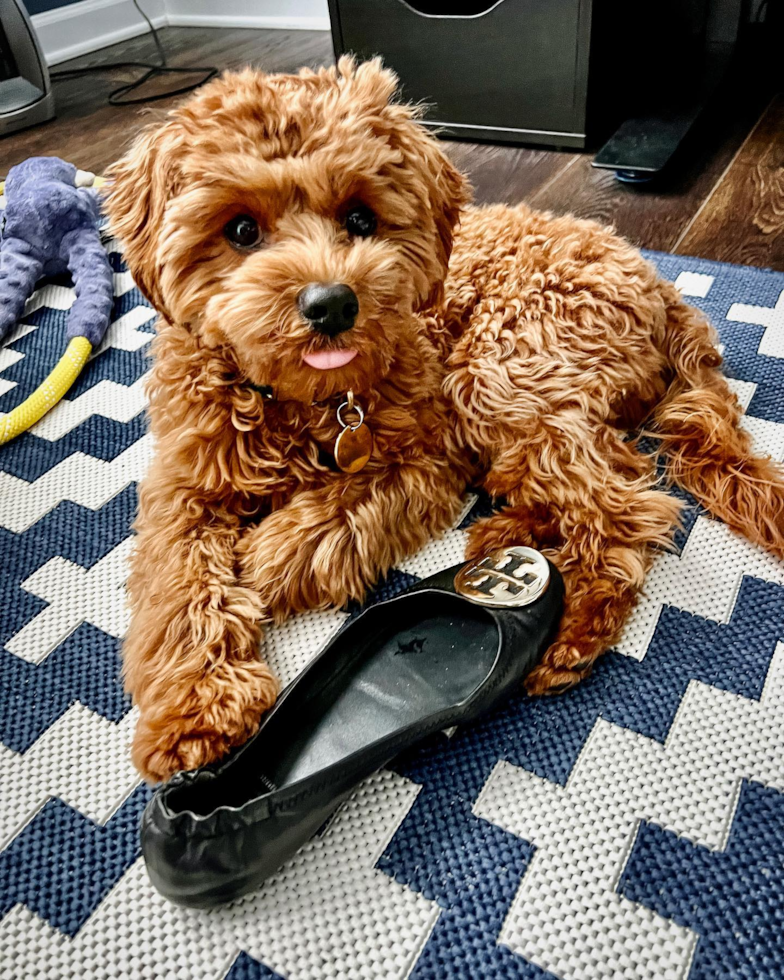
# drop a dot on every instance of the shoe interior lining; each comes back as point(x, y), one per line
point(406, 663)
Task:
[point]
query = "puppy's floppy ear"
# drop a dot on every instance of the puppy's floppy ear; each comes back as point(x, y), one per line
point(139, 186)
point(450, 192)
point(445, 188)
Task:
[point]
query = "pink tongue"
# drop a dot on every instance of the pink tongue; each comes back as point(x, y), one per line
point(326, 359)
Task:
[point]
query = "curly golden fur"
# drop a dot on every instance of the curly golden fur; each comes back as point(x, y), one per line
point(494, 345)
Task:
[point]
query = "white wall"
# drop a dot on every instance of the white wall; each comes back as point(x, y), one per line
point(79, 28)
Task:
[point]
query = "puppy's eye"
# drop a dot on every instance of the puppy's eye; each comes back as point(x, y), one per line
point(243, 231)
point(360, 221)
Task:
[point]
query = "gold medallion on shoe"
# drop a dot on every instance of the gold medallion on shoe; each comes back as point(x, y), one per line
point(354, 445)
point(509, 577)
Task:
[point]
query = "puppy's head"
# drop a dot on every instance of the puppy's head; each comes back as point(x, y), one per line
point(294, 221)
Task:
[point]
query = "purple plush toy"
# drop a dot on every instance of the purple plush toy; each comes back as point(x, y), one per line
point(50, 226)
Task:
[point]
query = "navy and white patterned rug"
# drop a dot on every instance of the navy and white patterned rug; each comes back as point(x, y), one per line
point(631, 828)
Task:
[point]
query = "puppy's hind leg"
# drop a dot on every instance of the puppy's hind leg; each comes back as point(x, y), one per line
point(604, 522)
point(707, 452)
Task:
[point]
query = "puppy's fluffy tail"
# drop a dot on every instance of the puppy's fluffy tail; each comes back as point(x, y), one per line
point(707, 452)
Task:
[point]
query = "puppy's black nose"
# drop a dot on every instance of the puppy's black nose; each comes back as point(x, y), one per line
point(331, 307)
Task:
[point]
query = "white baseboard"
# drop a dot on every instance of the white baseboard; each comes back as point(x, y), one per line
point(301, 15)
point(80, 28)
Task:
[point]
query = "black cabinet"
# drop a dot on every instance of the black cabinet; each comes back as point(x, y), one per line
point(509, 70)
point(553, 72)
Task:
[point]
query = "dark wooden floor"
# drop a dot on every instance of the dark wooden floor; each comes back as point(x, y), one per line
point(725, 199)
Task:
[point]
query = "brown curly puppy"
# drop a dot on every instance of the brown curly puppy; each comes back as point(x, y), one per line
point(515, 364)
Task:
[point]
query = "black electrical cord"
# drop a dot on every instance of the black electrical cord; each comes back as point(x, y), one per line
point(152, 71)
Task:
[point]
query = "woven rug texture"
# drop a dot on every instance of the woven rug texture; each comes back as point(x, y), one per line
point(631, 828)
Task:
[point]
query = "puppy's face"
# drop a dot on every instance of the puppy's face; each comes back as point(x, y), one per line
point(295, 222)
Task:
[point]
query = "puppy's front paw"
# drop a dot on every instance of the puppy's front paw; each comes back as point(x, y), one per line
point(562, 666)
point(296, 561)
point(222, 710)
point(160, 752)
point(498, 531)
point(534, 527)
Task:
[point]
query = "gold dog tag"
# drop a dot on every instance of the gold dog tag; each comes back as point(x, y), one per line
point(354, 448)
point(354, 445)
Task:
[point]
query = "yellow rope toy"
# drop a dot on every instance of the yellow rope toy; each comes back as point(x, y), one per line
point(59, 380)
point(49, 393)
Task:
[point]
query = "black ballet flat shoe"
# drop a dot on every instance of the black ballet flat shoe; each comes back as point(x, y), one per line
point(435, 656)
